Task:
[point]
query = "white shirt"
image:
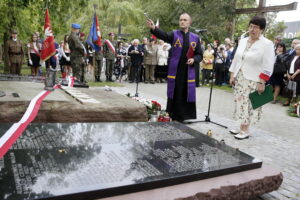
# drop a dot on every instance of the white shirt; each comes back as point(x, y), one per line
point(292, 67)
point(34, 46)
point(162, 56)
point(259, 58)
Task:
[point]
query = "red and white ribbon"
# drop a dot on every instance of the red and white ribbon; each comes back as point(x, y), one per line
point(16, 130)
point(111, 46)
point(71, 80)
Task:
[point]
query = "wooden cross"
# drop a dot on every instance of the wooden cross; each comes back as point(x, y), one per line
point(262, 8)
point(120, 34)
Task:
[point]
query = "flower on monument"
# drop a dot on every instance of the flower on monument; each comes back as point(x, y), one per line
point(156, 106)
point(294, 110)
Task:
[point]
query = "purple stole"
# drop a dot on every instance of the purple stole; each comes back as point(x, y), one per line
point(174, 60)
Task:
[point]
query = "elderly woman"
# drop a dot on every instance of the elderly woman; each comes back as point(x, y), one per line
point(251, 68)
point(293, 74)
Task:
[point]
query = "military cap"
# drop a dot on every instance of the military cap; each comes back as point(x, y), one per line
point(111, 34)
point(76, 26)
point(14, 31)
point(81, 34)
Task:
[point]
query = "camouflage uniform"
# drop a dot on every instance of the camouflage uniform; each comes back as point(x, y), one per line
point(15, 54)
point(110, 60)
point(76, 55)
point(99, 64)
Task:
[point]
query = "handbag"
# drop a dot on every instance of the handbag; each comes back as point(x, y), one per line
point(279, 66)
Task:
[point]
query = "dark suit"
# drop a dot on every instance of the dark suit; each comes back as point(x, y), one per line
point(136, 61)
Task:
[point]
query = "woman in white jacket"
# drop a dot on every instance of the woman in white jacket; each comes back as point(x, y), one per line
point(251, 68)
point(162, 68)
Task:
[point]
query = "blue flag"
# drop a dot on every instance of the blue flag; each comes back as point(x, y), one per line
point(94, 38)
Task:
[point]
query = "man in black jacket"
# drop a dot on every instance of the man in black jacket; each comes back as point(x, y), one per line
point(136, 53)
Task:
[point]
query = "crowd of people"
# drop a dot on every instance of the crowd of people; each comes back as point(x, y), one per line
point(135, 61)
point(148, 61)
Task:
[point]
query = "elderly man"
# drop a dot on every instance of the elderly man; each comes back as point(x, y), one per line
point(185, 55)
point(150, 60)
point(136, 53)
point(15, 53)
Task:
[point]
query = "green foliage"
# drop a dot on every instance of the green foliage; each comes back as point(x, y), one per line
point(27, 16)
point(274, 29)
point(288, 41)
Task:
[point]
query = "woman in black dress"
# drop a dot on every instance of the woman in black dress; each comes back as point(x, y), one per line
point(65, 58)
point(34, 50)
point(276, 80)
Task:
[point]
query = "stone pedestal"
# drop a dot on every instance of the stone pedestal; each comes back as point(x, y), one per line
point(239, 186)
point(69, 104)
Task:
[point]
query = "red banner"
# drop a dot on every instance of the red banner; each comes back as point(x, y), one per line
point(98, 42)
point(48, 48)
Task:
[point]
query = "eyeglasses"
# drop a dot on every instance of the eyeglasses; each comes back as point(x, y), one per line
point(255, 27)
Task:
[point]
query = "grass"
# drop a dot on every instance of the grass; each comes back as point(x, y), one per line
point(223, 87)
point(102, 84)
point(25, 70)
point(281, 99)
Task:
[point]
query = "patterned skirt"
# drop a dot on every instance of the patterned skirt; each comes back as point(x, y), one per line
point(243, 111)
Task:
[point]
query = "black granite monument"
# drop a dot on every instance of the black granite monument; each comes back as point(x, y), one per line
point(95, 160)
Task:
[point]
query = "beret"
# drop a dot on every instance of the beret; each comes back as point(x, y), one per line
point(76, 26)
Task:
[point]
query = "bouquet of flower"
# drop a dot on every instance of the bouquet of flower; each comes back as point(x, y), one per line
point(155, 106)
point(152, 106)
point(294, 110)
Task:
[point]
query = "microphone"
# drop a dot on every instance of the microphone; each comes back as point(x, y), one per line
point(200, 30)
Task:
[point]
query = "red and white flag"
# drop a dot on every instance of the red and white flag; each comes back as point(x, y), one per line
point(48, 48)
point(156, 25)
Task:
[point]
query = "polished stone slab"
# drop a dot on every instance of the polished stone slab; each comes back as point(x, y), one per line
point(97, 160)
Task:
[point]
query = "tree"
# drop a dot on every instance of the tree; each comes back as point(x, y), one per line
point(27, 16)
point(274, 28)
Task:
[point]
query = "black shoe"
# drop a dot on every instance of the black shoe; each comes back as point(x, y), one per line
point(152, 82)
point(286, 104)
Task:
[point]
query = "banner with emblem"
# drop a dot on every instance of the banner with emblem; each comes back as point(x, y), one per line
point(48, 48)
point(191, 51)
point(94, 38)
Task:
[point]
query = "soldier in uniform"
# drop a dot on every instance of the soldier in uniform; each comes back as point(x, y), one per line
point(86, 55)
point(77, 51)
point(15, 53)
point(109, 49)
point(99, 64)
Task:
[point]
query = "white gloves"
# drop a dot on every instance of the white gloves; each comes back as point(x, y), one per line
point(30, 62)
point(68, 59)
